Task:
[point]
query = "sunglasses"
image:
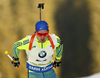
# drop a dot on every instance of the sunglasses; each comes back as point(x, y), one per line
point(42, 34)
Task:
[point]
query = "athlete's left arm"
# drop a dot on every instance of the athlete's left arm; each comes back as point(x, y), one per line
point(59, 48)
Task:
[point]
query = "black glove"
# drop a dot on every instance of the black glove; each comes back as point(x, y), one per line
point(56, 63)
point(16, 62)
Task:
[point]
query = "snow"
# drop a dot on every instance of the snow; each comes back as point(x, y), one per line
point(97, 75)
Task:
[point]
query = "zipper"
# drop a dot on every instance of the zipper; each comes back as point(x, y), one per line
point(41, 45)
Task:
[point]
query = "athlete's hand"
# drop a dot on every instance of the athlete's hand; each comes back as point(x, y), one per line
point(16, 62)
point(56, 63)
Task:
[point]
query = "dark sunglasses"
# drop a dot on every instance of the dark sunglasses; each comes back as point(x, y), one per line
point(42, 34)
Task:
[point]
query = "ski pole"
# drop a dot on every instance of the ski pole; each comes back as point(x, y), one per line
point(6, 52)
point(41, 5)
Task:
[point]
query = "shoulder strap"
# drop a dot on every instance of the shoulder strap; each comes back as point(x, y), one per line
point(31, 41)
point(32, 38)
point(51, 41)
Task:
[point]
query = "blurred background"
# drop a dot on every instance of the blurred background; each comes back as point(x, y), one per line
point(76, 22)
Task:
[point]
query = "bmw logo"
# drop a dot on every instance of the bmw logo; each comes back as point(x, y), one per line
point(42, 54)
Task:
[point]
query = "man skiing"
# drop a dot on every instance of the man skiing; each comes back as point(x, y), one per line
point(40, 49)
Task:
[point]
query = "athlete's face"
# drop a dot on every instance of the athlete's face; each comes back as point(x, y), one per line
point(42, 35)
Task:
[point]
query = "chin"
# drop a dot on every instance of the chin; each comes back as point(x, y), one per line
point(42, 41)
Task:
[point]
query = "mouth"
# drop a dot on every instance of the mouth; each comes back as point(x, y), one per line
point(42, 40)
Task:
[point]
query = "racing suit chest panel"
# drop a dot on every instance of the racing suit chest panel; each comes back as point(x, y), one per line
point(40, 56)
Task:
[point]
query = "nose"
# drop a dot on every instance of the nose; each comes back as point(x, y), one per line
point(42, 37)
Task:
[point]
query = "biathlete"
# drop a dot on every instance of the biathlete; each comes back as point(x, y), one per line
point(40, 48)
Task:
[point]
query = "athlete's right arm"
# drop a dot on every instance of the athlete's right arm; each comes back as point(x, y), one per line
point(20, 45)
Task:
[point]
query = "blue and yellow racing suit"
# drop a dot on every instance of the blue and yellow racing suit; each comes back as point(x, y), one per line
point(40, 58)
